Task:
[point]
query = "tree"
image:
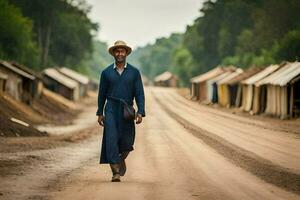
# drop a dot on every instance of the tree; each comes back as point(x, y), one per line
point(16, 42)
point(94, 63)
point(238, 32)
point(273, 20)
point(62, 29)
point(289, 47)
point(157, 58)
point(184, 66)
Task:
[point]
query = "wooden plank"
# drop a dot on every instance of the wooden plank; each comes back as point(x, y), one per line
point(292, 101)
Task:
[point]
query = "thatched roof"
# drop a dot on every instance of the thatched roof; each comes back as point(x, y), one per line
point(282, 76)
point(259, 76)
point(246, 74)
point(54, 74)
point(231, 76)
point(74, 75)
point(211, 74)
point(208, 75)
point(25, 69)
point(16, 70)
point(164, 76)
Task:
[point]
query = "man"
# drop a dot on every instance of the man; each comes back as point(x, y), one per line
point(119, 81)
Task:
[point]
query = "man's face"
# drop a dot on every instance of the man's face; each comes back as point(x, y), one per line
point(120, 55)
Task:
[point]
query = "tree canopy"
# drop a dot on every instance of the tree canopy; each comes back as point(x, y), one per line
point(46, 33)
point(230, 32)
point(227, 32)
point(156, 58)
point(16, 36)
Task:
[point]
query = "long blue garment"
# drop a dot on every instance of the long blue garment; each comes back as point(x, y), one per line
point(118, 134)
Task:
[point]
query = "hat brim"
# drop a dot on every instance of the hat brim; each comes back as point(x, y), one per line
point(111, 49)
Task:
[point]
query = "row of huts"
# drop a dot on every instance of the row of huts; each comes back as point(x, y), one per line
point(274, 90)
point(23, 84)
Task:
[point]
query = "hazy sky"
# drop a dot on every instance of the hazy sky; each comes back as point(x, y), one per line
point(139, 22)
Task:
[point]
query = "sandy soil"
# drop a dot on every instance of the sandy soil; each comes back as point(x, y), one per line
point(269, 153)
point(84, 120)
point(170, 161)
point(261, 120)
point(44, 115)
point(274, 145)
point(41, 111)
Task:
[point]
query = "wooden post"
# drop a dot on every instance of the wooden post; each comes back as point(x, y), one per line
point(291, 100)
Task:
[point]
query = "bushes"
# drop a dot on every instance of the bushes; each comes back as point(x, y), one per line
point(16, 37)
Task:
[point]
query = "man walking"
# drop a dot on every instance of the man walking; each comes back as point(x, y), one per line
point(120, 83)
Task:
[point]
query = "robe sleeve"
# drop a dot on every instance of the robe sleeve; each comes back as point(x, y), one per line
point(139, 95)
point(102, 93)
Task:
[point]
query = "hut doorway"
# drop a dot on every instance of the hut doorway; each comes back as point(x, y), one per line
point(295, 98)
point(263, 99)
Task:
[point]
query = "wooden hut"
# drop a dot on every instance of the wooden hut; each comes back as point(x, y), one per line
point(57, 82)
point(212, 88)
point(3, 79)
point(225, 95)
point(166, 79)
point(248, 86)
point(198, 83)
point(212, 84)
point(260, 95)
point(283, 91)
point(19, 84)
point(37, 83)
point(79, 78)
point(235, 88)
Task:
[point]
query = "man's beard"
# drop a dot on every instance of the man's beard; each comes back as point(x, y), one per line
point(120, 60)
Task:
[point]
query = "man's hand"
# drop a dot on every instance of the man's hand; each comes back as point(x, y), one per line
point(101, 120)
point(138, 119)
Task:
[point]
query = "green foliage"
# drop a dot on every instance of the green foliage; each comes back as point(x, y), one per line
point(16, 41)
point(244, 33)
point(94, 63)
point(62, 31)
point(157, 58)
point(245, 42)
point(194, 43)
point(273, 20)
point(71, 51)
point(289, 48)
point(266, 57)
point(184, 66)
point(227, 32)
point(218, 29)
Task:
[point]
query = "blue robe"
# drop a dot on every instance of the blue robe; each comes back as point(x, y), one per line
point(118, 134)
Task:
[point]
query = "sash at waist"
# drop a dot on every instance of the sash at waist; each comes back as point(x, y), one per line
point(124, 101)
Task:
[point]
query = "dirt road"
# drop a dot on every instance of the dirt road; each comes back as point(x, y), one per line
point(170, 161)
point(263, 149)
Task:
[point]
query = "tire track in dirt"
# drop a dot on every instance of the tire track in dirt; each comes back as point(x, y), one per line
point(170, 163)
point(258, 166)
point(237, 118)
point(275, 146)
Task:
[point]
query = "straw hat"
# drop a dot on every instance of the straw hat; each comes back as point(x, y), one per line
point(118, 44)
